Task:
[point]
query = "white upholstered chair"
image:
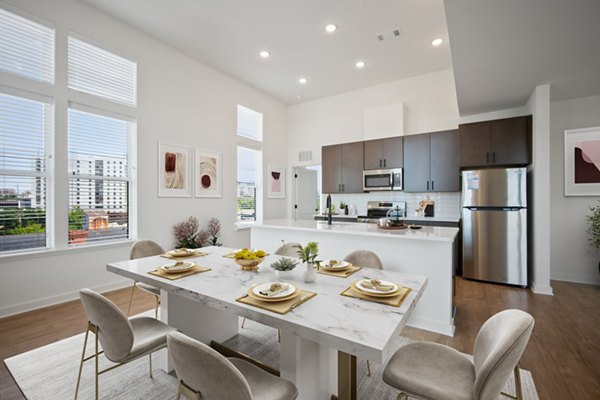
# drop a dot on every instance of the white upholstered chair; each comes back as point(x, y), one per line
point(141, 249)
point(433, 371)
point(203, 373)
point(123, 340)
point(364, 259)
point(289, 249)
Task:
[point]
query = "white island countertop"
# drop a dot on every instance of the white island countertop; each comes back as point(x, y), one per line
point(431, 233)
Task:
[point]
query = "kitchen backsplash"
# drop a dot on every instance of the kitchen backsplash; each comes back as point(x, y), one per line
point(447, 204)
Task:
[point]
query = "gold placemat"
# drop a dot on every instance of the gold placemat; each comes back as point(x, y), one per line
point(197, 269)
point(342, 274)
point(395, 301)
point(192, 255)
point(279, 307)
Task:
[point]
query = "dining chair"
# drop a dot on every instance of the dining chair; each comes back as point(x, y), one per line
point(433, 371)
point(122, 339)
point(365, 259)
point(141, 249)
point(203, 373)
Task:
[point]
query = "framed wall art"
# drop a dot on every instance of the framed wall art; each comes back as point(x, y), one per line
point(174, 170)
point(208, 173)
point(582, 162)
point(275, 182)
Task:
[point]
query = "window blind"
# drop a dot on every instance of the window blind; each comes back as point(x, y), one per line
point(99, 72)
point(98, 166)
point(249, 123)
point(26, 47)
point(25, 127)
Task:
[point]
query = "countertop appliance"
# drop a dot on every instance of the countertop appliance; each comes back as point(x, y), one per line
point(382, 179)
point(494, 215)
point(380, 209)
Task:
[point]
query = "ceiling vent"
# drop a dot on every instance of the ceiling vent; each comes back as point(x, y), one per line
point(393, 34)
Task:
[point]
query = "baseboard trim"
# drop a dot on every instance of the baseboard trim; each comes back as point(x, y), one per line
point(585, 279)
point(542, 289)
point(431, 325)
point(61, 298)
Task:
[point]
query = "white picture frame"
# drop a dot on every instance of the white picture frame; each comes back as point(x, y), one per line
point(275, 182)
point(174, 170)
point(208, 173)
point(582, 162)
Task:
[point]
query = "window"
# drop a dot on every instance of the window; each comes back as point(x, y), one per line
point(26, 47)
point(249, 123)
point(100, 140)
point(99, 72)
point(248, 174)
point(249, 164)
point(25, 127)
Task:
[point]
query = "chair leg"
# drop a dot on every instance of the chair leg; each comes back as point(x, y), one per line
point(368, 368)
point(402, 396)
point(157, 305)
point(81, 363)
point(96, 359)
point(178, 397)
point(518, 388)
point(150, 364)
point(131, 298)
point(243, 322)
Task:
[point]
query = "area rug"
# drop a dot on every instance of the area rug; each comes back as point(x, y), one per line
point(50, 372)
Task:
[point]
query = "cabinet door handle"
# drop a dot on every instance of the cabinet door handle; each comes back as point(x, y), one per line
point(427, 185)
point(432, 186)
point(487, 157)
point(494, 157)
point(339, 187)
point(384, 163)
point(343, 187)
point(380, 164)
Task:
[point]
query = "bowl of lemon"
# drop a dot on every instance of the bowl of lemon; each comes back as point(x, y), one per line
point(249, 260)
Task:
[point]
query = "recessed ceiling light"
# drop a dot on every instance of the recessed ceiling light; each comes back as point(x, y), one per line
point(437, 42)
point(331, 28)
point(302, 81)
point(360, 64)
point(265, 54)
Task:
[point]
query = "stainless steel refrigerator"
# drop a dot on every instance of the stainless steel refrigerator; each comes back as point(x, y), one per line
point(494, 217)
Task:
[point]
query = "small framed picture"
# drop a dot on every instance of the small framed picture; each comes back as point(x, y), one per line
point(208, 173)
point(275, 182)
point(174, 170)
point(582, 162)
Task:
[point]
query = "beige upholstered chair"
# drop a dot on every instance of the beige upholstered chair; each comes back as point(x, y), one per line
point(364, 259)
point(123, 340)
point(141, 249)
point(203, 374)
point(433, 371)
point(289, 249)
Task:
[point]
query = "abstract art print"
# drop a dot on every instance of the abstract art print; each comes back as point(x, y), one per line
point(275, 182)
point(174, 170)
point(208, 173)
point(582, 162)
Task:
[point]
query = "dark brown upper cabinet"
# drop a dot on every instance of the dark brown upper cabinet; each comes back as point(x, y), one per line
point(342, 168)
point(384, 153)
point(431, 162)
point(502, 142)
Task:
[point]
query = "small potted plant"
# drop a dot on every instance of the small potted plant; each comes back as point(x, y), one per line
point(344, 206)
point(593, 230)
point(284, 266)
point(308, 255)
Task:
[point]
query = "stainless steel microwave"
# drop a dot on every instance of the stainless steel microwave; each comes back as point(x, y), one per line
point(382, 179)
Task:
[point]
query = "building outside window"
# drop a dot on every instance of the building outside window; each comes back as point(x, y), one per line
point(249, 165)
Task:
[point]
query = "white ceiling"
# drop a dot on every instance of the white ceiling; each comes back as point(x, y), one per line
point(503, 49)
point(228, 35)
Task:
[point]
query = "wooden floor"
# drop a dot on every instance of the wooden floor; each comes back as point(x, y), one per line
point(563, 353)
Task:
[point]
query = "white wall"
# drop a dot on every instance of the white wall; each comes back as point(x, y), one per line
point(180, 101)
point(429, 105)
point(572, 258)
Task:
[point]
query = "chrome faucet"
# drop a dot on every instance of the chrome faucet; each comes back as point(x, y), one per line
point(328, 206)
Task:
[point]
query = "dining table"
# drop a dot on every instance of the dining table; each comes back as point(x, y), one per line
point(321, 336)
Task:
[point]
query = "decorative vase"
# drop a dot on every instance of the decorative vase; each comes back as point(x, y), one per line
point(310, 275)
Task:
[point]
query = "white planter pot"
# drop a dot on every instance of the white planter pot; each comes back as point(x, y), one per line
point(310, 274)
point(284, 274)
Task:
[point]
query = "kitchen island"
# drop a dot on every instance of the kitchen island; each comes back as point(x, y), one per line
point(428, 251)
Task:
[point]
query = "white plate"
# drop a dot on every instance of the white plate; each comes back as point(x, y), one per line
point(266, 286)
point(181, 252)
point(368, 290)
point(338, 266)
point(178, 267)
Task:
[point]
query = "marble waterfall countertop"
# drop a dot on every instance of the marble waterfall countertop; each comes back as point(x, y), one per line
point(433, 233)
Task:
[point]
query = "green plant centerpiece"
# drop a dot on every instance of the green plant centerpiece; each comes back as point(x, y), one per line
point(308, 254)
point(284, 264)
point(593, 229)
point(344, 206)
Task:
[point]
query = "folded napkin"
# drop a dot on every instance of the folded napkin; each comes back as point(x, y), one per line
point(374, 284)
point(274, 289)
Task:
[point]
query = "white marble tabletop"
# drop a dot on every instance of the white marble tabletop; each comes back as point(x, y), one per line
point(362, 328)
point(436, 233)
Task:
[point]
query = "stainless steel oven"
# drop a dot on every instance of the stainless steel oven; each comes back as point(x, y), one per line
point(382, 179)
